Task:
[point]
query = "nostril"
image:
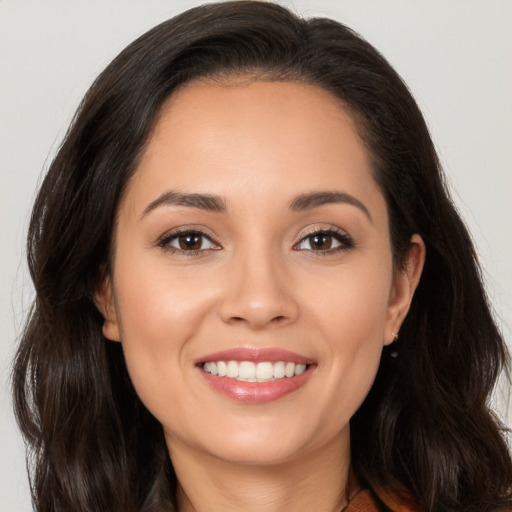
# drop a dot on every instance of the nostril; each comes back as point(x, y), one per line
point(240, 319)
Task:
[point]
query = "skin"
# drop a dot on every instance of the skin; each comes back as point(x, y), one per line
point(260, 283)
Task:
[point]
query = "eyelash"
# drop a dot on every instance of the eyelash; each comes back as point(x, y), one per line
point(166, 240)
point(345, 241)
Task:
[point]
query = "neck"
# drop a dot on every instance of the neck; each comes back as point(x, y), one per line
point(318, 480)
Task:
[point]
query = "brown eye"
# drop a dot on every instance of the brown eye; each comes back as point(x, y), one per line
point(190, 242)
point(329, 241)
point(320, 242)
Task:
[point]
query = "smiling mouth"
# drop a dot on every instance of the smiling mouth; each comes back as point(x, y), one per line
point(249, 371)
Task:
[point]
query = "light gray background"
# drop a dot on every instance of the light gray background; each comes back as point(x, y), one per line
point(456, 57)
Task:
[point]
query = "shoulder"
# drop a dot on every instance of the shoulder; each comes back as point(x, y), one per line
point(397, 502)
point(368, 501)
point(363, 501)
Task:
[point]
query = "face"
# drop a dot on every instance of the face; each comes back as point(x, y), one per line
point(253, 241)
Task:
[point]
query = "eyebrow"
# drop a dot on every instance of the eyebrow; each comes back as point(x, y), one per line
point(216, 204)
point(315, 199)
point(208, 202)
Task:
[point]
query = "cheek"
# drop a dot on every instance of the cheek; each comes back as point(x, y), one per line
point(156, 302)
point(351, 312)
point(159, 314)
point(352, 303)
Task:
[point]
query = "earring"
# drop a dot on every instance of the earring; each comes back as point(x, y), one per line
point(394, 353)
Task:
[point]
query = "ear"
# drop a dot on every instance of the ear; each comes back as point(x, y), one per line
point(405, 281)
point(104, 300)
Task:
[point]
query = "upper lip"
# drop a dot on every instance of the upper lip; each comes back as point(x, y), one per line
point(256, 355)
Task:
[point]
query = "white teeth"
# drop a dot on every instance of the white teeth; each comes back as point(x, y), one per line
point(264, 371)
point(300, 368)
point(289, 369)
point(221, 368)
point(279, 370)
point(249, 371)
point(232, 369)
point(246, 370)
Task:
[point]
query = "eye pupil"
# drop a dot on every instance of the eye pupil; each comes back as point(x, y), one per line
point(190, 242)
point(321, 241)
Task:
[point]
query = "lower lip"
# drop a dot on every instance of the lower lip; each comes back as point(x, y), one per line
point(257, 392)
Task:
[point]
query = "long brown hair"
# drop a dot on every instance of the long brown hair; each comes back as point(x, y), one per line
point(425, 426)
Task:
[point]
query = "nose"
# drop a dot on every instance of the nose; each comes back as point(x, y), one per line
point(258, 293)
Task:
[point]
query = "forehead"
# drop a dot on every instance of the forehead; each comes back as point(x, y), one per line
point(257, 136)
point(268, 109)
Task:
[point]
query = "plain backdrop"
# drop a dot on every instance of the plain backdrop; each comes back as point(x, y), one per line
point(456, 56)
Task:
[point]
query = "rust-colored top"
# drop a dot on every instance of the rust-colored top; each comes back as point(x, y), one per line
point(366, 501)
point(369, 501)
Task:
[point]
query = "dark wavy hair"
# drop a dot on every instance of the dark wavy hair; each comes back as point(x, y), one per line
point(425, 426)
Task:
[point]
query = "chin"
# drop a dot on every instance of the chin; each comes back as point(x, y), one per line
point(268, 443)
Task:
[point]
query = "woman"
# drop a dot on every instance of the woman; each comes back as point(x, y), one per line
point(253, 292)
